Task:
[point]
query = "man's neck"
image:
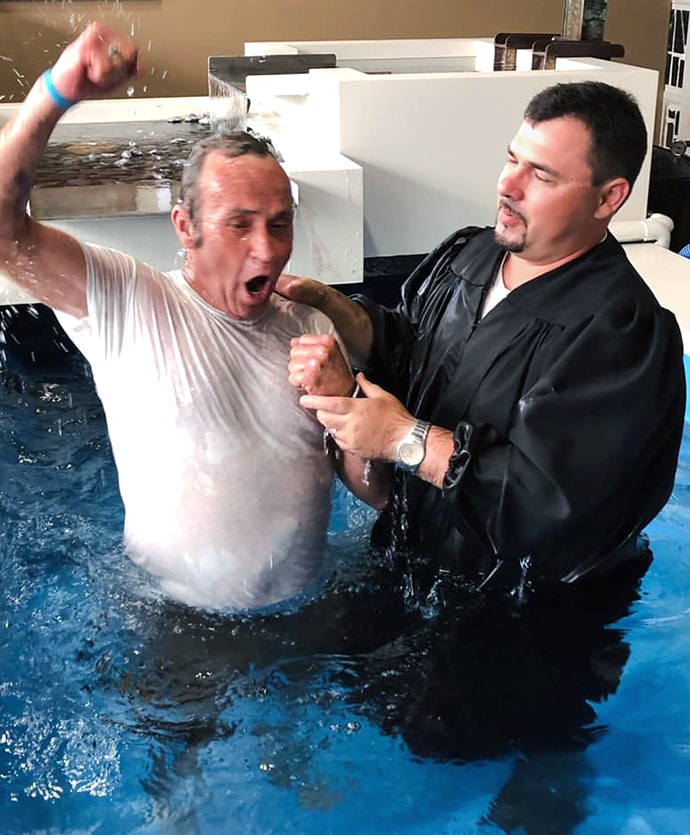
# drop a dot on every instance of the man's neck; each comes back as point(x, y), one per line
point(517, 270)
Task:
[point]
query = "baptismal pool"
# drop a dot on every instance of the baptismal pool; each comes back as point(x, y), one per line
point(363, 710)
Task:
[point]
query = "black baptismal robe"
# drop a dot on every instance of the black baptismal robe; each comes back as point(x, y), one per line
point(567, 403)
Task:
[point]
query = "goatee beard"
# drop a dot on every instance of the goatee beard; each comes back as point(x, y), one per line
point(508, 246)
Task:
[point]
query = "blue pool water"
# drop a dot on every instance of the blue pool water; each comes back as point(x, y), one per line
point(364, 710)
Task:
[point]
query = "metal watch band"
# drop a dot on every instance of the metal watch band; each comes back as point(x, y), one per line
point(420, 430)
point(414, 442)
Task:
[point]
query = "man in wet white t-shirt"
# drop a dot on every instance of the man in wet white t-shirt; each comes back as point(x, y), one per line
point(223, 475)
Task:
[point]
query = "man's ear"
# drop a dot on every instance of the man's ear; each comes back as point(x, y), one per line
point(183, 225)
point(612, 196)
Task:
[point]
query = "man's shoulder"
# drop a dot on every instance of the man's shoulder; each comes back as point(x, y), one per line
point(472, 248)
point(617, 278)
point(105, 257)
point(474, 235)
point(605, 289)
point(106, 262)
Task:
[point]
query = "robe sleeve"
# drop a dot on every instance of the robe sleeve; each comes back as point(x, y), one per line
point(397, 330)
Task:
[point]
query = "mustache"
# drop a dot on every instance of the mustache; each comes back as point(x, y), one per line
point(505, 203)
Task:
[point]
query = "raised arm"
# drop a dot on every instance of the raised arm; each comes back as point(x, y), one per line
point(46, 262)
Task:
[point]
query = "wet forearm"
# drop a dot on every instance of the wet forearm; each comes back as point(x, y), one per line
point(22, 143)
point(350, 319)
point(352, 323)
point(439, 448)
point(369, 480)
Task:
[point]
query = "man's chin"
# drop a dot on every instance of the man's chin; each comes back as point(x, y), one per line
point(508, 243)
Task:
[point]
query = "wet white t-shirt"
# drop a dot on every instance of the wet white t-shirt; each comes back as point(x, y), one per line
point(222, 473)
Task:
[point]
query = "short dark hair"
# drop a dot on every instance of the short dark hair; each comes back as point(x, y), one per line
point(614, 120)
point(230, 144)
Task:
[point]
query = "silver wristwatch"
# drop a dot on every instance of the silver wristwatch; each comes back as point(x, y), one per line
point(412, 448)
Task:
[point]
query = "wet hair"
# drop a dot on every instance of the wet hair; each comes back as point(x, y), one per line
point(232, 144)
point(613, 118)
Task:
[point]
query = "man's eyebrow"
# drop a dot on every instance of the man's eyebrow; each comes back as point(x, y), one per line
point(239, 212)
point(538, 166)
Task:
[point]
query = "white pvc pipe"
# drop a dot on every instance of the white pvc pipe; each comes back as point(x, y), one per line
point(655, 229)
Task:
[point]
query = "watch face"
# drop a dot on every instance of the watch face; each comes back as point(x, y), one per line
point(411, 453)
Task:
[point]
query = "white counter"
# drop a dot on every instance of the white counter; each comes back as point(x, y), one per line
point(328, 188)
point(668, 276)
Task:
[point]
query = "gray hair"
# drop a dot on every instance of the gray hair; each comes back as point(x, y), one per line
point(233, 144)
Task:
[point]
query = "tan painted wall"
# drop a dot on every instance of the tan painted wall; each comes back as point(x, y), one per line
point(177, 36)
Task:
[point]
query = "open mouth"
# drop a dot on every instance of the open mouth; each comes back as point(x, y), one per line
point(255, 286)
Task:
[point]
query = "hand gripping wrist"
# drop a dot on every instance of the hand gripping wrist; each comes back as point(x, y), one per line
point(59, 100)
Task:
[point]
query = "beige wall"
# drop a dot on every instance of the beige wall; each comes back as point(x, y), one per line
point(177, 36)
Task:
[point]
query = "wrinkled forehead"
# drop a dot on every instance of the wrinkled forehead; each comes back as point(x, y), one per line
point(247, 180)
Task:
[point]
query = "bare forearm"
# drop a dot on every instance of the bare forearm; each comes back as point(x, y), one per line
point(369, 480)
point(47, 262)
point(22, 143)
point(350, 319)
point(439, 448)
point(352, 323)
point(373, 427)
point(42, 260)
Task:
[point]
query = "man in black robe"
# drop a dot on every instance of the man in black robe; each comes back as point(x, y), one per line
point(530, 389)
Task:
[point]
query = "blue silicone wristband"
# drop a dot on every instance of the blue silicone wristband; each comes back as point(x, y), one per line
point(60, 101)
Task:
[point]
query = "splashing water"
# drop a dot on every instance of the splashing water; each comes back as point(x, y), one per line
point(227, 104)
point(519, 592)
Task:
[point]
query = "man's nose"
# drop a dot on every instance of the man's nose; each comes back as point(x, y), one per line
point(262, 245)
point(511, 183)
